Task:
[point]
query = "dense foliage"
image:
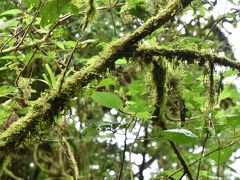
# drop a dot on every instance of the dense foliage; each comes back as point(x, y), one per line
point(124, 89)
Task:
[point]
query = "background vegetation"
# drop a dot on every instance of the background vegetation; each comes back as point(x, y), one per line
point(123, 89)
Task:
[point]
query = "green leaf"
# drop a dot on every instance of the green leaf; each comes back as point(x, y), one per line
point(144, 115)
point(137, 8)
point(222, 156)
point(4, 113)
point(23, 111)
point(61, 45)
point(47, 81)
point(228, 121)
point(5, 90)
point(52, 76)
point(181, 136)
point(8, 24)
point(11, 12)
point(107, 81)
point(230, 15)
point(135, 107)
point(54, 8)
point(8, 57)
point(140, 109)
point(121, 62)
point(202, 10)
point(33, 3)
point(137, 87)
point(230, 72)
point(69, 43)
point(229, 91)
point(107, 99)
point(3, 68)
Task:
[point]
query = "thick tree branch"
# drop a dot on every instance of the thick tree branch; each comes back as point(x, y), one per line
point(190, 56)
point(47, 106)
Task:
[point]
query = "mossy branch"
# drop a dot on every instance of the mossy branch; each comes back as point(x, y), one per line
point(190, 56)
point(47, 106)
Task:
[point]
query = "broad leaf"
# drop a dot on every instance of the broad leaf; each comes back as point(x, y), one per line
point(229, 91)
point(54, 8)
point(52, 76)
point(222, 155)
point(33, 3)
point(4, 113)
point(5, 90)
point(11, 12)
point(107, 99)
point(107, 81)
point(121, 62)
point(181, 136)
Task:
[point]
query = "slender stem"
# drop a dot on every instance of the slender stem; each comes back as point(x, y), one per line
point(41, 4)
point(203, 148)
point(112, 18)
point(13, 176)
point(38, 42)
point(124, 148)
point(130, 152)
point(69, 153)
point(29, 61)
point(216, 23)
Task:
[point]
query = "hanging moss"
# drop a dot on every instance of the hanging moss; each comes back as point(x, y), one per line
point(159, 72)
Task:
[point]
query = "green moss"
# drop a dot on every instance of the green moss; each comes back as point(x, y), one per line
point(4, 161)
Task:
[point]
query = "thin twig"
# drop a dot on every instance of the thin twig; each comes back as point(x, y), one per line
point(124, 148)
point(112, 18)
point(182, 161)
point(36, 43)
point(63, 18)
point(179, 120)
point(211, 109)
point(130, 152)
point(25, 29)
point(11, 38)
point(35, 157)
point(203, 148)
point(145, 144)
point(216, 23)
point(107, 7)
point(29, 61)
point(115, 4)
point(30, 24)
point(88, 15)
point(69, 154)
point(10, 174)
point(62, 77)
